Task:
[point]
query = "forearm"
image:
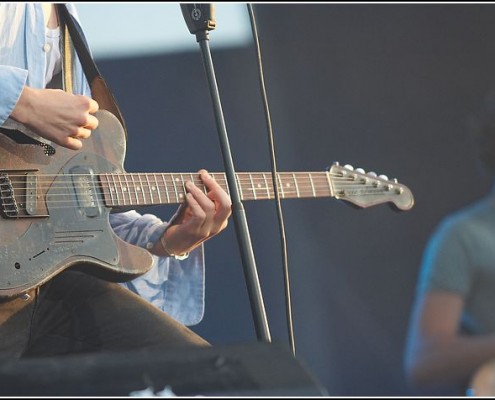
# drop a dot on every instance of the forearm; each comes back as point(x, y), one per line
point(451, 361)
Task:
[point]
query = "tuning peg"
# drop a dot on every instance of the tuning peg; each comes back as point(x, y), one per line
point(372, 174)
point(349, 167)
point(360, 170)
point(384, 177)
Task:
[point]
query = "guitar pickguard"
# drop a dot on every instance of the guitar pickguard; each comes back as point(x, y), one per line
point(75, 229)
point(71, 225)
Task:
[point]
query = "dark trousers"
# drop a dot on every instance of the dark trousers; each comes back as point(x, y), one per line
point(76, 312)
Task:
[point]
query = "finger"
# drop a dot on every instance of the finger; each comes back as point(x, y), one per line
point(93, 106)
point(218, 195)
point(82, 133)
point(91, 122)
point(215, 215)
point(212, 186)
point(71, 143)
point(201, 200)
point(198, 222)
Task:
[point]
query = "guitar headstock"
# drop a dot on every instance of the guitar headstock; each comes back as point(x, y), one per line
point(366, 189)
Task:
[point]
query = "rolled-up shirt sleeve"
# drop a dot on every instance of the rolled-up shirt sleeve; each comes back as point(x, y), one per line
point(174, 286)
point(12, 81)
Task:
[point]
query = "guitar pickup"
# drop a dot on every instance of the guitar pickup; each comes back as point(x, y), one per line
point(31, 194)
point(86, 191)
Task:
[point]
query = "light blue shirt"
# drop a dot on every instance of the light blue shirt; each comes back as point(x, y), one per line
point(176, 287)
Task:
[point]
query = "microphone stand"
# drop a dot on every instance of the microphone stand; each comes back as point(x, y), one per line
point(199, 18)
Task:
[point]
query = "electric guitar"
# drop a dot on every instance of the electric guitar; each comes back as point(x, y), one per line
point(55, 203)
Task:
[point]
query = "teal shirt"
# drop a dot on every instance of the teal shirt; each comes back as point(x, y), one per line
point(460, 258)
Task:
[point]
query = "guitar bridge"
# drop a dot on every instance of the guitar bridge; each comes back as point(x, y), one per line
point(19, 195)
point(7, 199)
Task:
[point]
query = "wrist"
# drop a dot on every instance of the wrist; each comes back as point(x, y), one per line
point(170, 252)
point(21, 111)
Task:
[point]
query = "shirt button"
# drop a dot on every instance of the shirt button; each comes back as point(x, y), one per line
point(47, 47)
point(149, 245)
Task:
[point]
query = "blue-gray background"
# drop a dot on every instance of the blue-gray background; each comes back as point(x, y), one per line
point(385, 87)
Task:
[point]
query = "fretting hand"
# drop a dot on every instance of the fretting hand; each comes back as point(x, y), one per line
point(201, 217)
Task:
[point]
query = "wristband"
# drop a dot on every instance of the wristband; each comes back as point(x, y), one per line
point(179, 257)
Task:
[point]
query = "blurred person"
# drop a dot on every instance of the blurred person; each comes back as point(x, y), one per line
point(451, 336)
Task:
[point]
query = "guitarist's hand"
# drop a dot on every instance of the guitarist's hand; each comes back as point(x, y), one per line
point(61, 117)
point(201, 217)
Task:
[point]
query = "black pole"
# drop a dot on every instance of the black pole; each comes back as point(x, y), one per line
point(199, 18)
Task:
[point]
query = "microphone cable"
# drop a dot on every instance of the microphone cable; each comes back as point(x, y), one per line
point(275, 183)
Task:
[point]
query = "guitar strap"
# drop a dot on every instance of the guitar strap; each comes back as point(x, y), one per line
point(73, 38)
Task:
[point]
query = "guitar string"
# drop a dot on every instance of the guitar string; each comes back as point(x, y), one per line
point(129, 198)
point(72, 200)
point(255, 182)
point(126, 187)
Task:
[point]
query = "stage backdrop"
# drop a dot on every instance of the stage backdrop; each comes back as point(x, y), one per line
point(387, 88)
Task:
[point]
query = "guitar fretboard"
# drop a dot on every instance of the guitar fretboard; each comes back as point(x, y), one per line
point(130, 189)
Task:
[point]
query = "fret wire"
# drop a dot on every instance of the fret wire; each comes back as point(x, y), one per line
point(296, 185)
point(128, 189)
point(108, 176)
point(255, 186)
point(158, 189)
point(141, 188)
point(182, 192)
point(266, 185)
point(109, 189)
point(252, 185)
point(166, 190)
point(258, 185)
point(149, 188)
point(135, 188)
point(312, 185)
point(223, 180)
point(278, 176)
point(238, 183)
point(117, 189)
point(175, 187)
point(330, 185)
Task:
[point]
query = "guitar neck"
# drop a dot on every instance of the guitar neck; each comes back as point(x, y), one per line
point(141, 189)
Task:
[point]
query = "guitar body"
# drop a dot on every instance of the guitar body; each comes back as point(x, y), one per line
point(54, 215)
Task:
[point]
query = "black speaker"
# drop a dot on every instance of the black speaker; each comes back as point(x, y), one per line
point(235, 370)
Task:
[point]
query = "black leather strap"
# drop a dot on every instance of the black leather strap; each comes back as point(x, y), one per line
point(88, 64)
point(99, 89)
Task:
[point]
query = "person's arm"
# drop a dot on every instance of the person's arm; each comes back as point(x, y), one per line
point(173, 285)
point(12, 82)
point(56, 115)
point(437, 354)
